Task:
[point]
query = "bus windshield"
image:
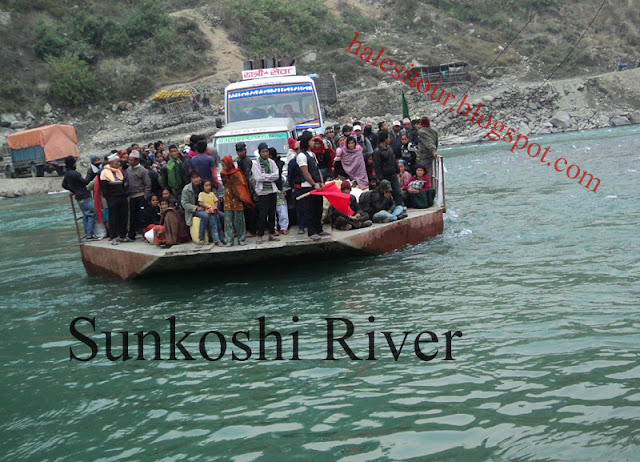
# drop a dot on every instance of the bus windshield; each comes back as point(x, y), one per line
point(226, 145)
point(296, 101)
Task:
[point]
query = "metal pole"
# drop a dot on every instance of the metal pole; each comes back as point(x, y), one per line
point(75, 218)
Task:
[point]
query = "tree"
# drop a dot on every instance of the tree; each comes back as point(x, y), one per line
point(71, 82)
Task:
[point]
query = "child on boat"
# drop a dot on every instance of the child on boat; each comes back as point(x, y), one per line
point(209, 201)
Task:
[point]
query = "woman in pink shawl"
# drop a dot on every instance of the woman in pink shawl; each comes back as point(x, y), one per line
point(353, 162)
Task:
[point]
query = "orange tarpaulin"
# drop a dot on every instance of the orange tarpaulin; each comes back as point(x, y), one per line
point(58, 141)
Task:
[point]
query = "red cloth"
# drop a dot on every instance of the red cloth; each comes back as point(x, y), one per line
point(97, 201)
point(336, 198)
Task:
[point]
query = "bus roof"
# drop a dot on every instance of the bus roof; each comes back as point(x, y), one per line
point(268, 81)
point(249, 127)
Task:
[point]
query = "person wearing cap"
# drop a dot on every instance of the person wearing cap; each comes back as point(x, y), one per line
point(406, 125)
point(427, 145)
point(245, 165)
point(77, 185)
point(329, 137)
point(386, 167)
point(362, 141)
point(344, 222)
point(95, 165)
point(266, 174)
point(139, 193)
point(112, 186)
point(394, 137)
point(379, 204)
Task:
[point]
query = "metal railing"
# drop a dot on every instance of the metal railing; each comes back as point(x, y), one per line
point(76, 219)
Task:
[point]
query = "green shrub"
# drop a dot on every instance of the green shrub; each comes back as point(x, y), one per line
point(49, 41)
point(71, 82)
point(120, 81)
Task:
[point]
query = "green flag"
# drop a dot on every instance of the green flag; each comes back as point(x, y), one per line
point(405, 106)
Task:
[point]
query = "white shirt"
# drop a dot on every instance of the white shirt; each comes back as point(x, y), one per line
point(301, 160)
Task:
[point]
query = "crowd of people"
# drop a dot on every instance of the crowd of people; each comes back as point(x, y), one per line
point(171, 195)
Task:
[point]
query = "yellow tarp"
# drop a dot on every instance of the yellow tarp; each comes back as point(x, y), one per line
point(58, 141)
point(172, 94)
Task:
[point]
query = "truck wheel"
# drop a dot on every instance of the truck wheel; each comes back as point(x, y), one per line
point(10, 172)
point(37, 170)
point(60, 171)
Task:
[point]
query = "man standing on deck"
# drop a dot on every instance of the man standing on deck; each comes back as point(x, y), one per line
point(312, 204)
point(245, 165)
point(77, 185)
point(174, 171)
point(204, 163)
point(427, 146)
point(386, 167)
point(139, 193)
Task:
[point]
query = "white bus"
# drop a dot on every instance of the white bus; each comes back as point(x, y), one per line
point(265, 94)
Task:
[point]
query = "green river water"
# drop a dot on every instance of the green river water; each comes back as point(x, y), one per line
point(540, 275)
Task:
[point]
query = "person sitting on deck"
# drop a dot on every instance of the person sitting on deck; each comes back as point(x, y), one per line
point(151, 212)
point(189, 200)
point(175, 228)
point(344, 222)
point(379, 204)
point(403, 177)
point(209, 201)
point(420, 193)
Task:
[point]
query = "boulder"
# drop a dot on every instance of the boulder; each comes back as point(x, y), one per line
point(48, 109)
point(122, 105)
point(561, 119)
point(7, 119)
point(29, 115)
point(524, 129)
point(634, 117)
point(533, 106)
point(619, 121)
point(18, 124)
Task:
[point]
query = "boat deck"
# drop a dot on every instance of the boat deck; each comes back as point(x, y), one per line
point(140, 259)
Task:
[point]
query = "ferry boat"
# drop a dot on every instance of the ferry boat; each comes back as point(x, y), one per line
point(140, 259)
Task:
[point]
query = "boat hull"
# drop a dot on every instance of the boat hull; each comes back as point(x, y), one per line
point(139, 259)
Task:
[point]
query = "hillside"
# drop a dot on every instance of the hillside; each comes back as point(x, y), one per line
point(96, 64)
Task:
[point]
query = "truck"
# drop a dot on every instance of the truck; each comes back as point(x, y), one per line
point(274, 93)
point(41, 150)
point(275, 132)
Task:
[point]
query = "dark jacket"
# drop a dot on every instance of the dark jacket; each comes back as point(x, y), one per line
point(75, 183)
point(384, 163)
point(374, 201)
point(353, 203)
point(150, 215)
point(245, 166)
